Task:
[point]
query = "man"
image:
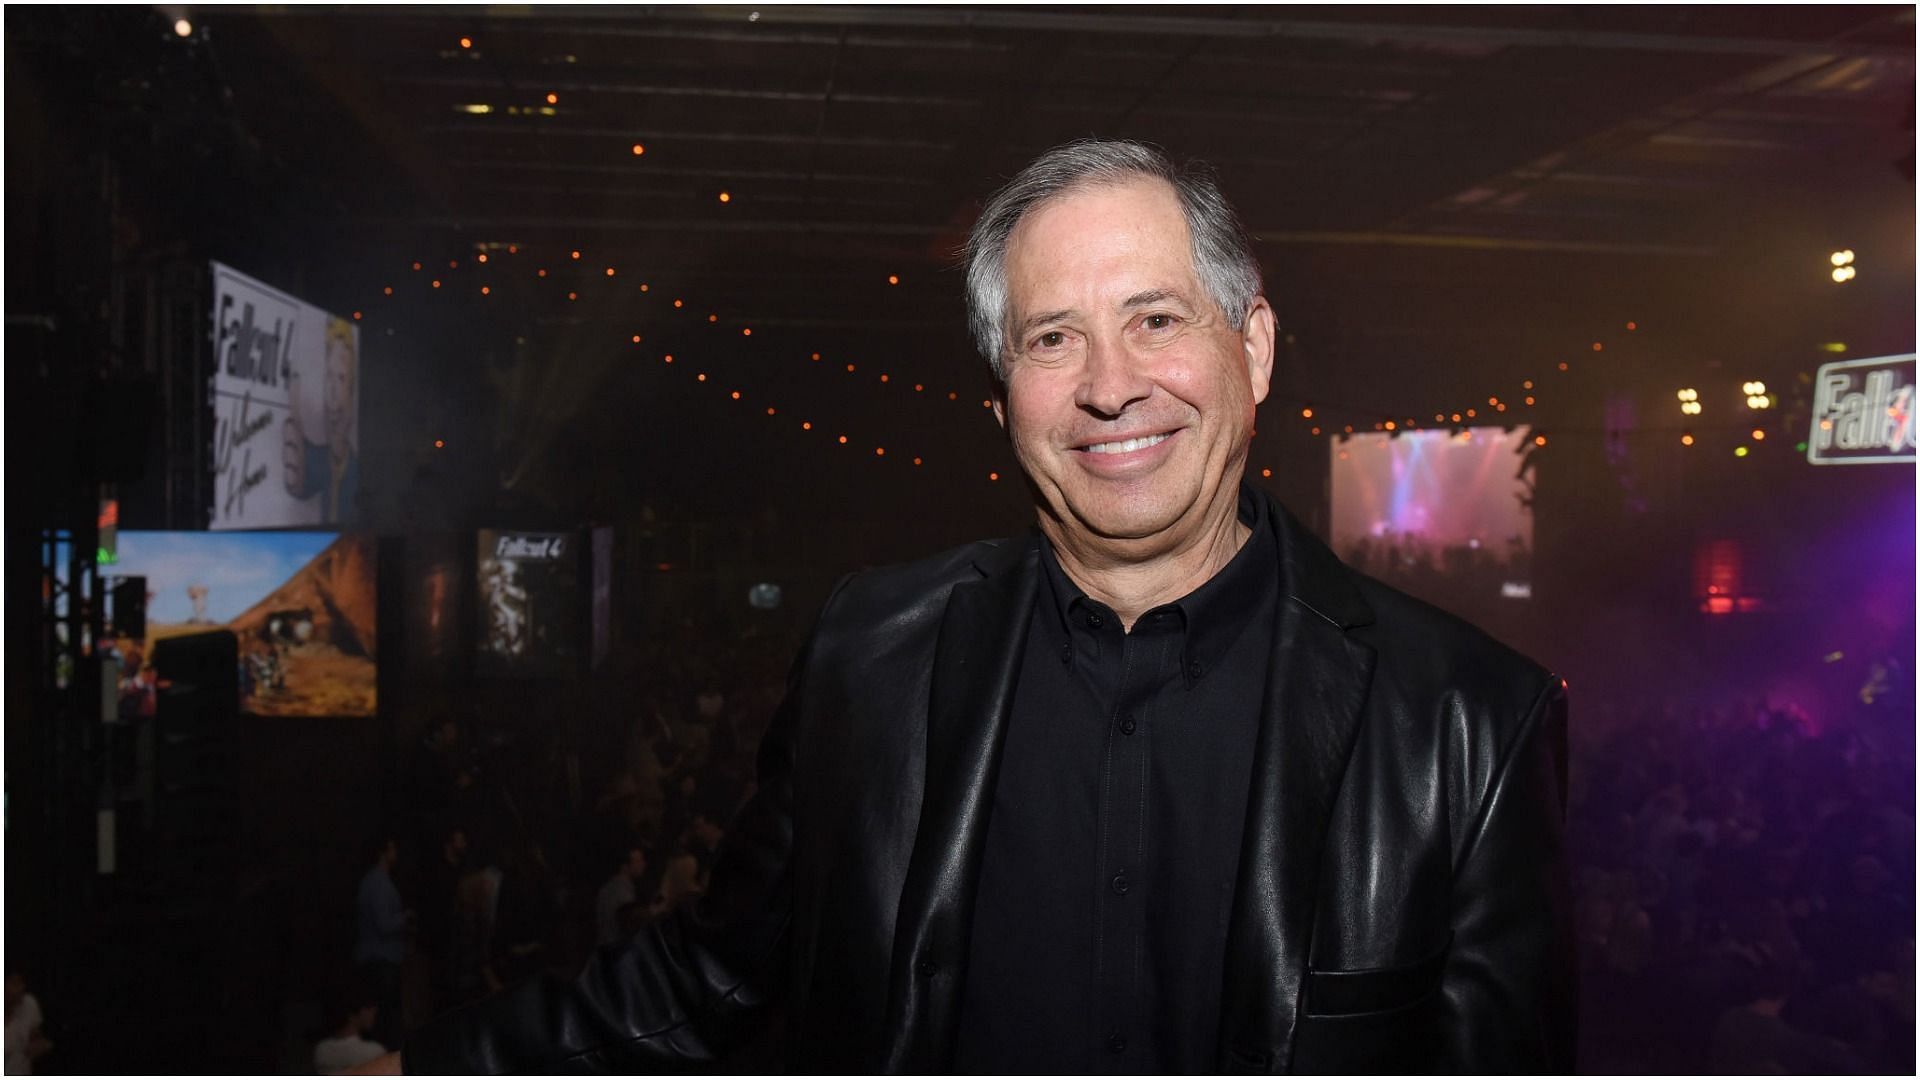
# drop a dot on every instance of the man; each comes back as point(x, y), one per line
point(351, 1014)
point(620, 893)
point(1163, 788)
point(380, 945)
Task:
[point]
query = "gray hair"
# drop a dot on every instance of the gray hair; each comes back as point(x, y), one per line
point(1222, 256)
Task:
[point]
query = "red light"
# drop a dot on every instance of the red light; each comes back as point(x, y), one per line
point(1597, 346)
point(843, 440)
point(993, 476)
point(483, 256)
point(638, 149)
point(388, 291)
point(439, 444)
point(1266, 472)
point(356, 316)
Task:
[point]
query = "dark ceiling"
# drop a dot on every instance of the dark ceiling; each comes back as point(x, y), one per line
point(1444, 198)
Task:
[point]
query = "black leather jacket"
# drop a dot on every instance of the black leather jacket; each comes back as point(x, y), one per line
point(1402, 904)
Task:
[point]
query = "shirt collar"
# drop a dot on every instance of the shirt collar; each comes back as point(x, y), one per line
point(1211, 616)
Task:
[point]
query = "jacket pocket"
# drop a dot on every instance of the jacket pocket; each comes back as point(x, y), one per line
point(1374, 990)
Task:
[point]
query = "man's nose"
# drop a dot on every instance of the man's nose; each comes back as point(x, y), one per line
point(1112, 379)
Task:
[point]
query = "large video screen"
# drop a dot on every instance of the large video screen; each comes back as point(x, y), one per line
point(301, 603)
point(1444, 516)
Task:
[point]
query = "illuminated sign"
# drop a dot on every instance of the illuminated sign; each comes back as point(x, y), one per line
point(1863, 412)
point(286, 395)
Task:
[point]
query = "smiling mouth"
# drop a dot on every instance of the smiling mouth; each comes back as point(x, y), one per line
point(1128, 446)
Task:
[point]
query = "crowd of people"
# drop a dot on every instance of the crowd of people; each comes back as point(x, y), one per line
point(1743, 878)
point(1742, 873)
point(520, 843)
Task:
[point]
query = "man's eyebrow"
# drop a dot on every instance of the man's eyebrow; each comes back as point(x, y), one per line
point(1154, 296)
point(1032, 321)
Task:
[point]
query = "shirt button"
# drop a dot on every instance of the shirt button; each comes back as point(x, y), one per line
point(1194, 669)
point(1117, 1043)
point(1121, 885)
point(1094, 620)
point(1126, 726)
point(1066, 654)
point(928, 968)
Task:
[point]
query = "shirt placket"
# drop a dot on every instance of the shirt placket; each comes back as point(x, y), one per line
point(1121, 930)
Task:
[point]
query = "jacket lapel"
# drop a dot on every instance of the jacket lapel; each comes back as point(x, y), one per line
point(975, 668)
point(1317, 685)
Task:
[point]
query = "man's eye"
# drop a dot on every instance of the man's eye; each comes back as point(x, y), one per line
point(1157, 322)
point(1052, 339)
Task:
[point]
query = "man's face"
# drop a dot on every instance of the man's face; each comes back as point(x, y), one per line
point(1129, 398)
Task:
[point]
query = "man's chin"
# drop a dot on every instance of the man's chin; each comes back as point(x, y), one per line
point(1129, 522)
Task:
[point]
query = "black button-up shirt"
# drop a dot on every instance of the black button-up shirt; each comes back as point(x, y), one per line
point(1100, 924)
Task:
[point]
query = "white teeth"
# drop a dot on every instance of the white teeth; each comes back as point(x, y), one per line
point(1128, 446)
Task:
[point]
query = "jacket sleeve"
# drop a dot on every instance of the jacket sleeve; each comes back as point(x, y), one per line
point(685, 990)
point(1510, 981)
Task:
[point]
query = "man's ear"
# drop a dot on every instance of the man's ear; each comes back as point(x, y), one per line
point(1256, 339)
point(997, 393)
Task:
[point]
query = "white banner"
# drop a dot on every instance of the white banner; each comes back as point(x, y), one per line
point(286, 399)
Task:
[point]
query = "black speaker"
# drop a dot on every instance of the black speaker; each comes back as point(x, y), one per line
point(121, 415)
point(130, 608)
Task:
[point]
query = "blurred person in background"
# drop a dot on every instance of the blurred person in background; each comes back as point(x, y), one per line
point(26, 1043)
point(351, 1015)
